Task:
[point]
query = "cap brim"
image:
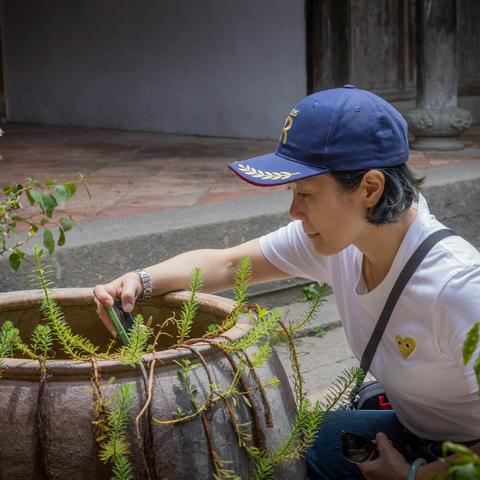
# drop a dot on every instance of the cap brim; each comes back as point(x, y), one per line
point(272, 169)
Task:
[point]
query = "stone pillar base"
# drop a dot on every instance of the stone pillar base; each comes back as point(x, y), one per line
point(438, 129)
point(437, 143)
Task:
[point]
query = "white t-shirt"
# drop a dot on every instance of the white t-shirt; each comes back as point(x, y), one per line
point(419, 359)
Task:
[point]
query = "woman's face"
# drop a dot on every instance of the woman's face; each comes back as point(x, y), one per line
point(332, 218)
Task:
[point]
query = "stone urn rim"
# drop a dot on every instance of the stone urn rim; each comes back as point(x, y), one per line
point(28, 368)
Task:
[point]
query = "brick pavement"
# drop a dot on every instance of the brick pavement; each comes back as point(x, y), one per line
point(131, 173)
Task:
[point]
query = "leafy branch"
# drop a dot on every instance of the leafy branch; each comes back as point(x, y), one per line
point(45, 196)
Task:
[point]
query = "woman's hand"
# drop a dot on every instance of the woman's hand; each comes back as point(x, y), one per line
point(389, 465)
point(126, 288)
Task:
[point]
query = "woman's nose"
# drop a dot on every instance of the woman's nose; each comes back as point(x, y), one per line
point(295, 210)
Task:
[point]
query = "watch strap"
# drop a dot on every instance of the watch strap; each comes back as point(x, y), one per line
point(146, 282)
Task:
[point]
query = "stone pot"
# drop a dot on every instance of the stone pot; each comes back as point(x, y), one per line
point(180, 452)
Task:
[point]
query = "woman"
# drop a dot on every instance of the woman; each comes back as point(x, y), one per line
point(357, 219)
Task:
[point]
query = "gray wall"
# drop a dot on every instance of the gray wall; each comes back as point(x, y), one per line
point(208, 67)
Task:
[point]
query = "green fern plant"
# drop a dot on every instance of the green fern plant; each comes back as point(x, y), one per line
point(139, 335)
point(317, 299)
point(261, 355)
point(115, 447)
point(42, 340)
point(310, 417)
point(9, 336)
point(263, 469)
point(75, 346)
point(222, 470)
point(122, 469)
point(189, 308)
point(183, 373)
point(41, 345)
point(265, 327)
point(241, 280)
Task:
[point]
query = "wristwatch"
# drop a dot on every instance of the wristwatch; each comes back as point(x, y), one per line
point(146, 282)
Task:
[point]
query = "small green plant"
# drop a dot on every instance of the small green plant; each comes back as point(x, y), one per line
point(115, 447)
point(189, 308)
point(41, 346)
point(309, 292)
point(261, 355)
point(186, 367)
point(263, 469)
point(46, 196)
point(242, 276)
point(139, 335)
point(265, 328)
point(9, 336)
point(76, 346)
point(316, 299)
point(39, 349)
point(212, 327)
point(320, 331)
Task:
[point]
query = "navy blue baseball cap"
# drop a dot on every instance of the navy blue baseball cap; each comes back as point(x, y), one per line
point(332, 130)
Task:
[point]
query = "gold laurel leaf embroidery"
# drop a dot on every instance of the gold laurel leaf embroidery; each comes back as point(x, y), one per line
point(253, 172)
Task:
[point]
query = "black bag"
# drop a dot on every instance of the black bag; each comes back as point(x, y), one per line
point(371, 395)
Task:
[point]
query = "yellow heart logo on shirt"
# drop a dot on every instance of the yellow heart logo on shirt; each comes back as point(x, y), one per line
point(405, 345)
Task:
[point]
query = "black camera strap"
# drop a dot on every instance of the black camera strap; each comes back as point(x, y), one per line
point(408, 270)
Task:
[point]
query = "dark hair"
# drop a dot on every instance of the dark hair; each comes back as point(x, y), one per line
point(400, 191)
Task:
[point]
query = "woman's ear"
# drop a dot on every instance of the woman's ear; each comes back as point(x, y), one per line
point(372, 185)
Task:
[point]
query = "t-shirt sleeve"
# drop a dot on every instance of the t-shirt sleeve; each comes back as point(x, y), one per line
point(457, 309)
point(290, 250)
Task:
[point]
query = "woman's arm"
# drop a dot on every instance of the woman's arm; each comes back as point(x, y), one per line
point(217, 267)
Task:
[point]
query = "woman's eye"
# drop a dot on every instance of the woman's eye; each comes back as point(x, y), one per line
point(303, 195)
